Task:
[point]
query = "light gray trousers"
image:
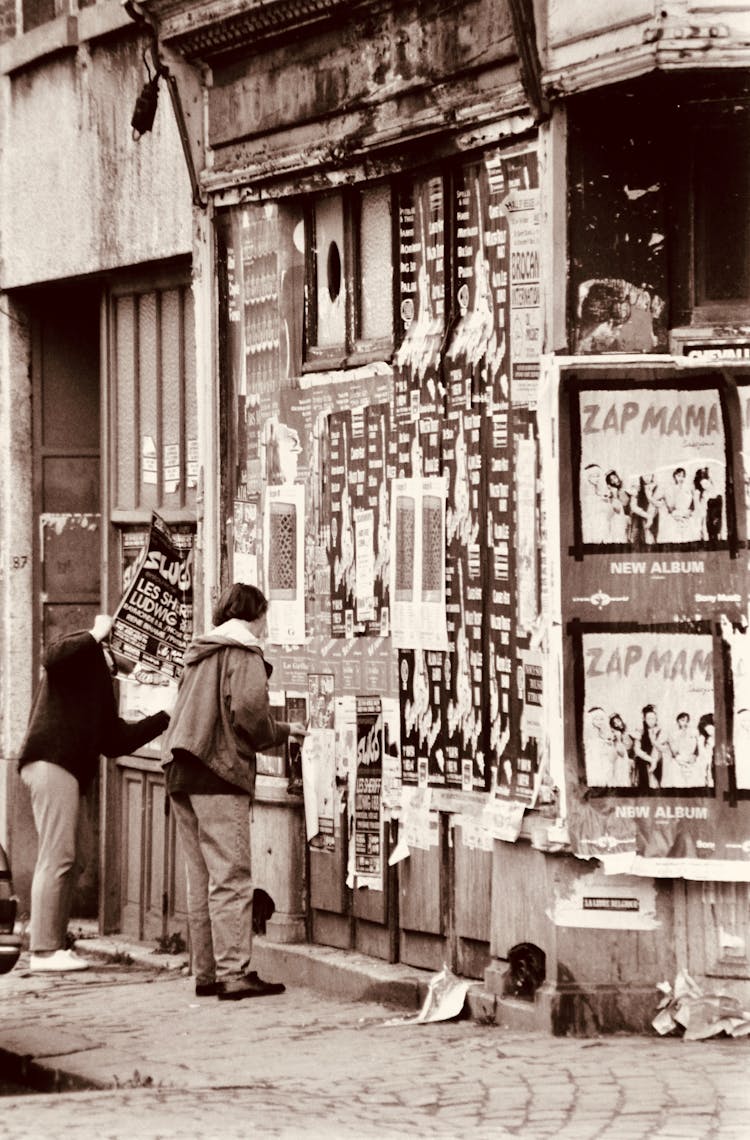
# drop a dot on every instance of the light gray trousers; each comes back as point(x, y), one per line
point(62, 825)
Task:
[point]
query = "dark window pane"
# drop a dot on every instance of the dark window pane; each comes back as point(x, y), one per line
point(722, 204)
point(36, 12)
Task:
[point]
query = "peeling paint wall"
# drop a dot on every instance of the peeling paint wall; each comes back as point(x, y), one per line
point(379, 75)
point(15, 550)
point(80, 194)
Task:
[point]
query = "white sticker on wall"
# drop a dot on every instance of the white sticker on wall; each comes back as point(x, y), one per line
point(148, 461)
point(605, 902)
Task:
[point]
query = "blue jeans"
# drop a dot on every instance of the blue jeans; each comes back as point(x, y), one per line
point(62, 825)
point(215, 836)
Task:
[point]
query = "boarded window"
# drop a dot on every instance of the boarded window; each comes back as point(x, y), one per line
point(349, 254)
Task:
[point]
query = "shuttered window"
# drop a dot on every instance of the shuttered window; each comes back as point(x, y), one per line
point(152, 420)
point(154, 459)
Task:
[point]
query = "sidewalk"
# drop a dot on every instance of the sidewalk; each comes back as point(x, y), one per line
point(339, 973)
point(138, 1055)
point(146, 988)
point(343, 974)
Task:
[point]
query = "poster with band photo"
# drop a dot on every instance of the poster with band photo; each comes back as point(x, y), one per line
point(652, 468)
point(648, 711)
point(649, 775)
point(649, 520)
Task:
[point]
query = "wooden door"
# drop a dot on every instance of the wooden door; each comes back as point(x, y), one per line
point(68, 537)
point(715, 931)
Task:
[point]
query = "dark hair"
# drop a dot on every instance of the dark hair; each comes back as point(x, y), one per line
point(703, 723)
point(240, 601)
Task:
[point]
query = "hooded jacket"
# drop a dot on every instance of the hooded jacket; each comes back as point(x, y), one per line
point(74, 716)
point(222, 714)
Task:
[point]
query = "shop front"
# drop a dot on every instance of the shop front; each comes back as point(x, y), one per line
point(464, 394)
point(510, 586)
point(380, 331)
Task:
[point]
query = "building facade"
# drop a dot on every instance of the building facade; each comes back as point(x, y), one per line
point(430, 320)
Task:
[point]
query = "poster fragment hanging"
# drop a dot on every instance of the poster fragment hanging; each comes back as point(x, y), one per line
point(368, 808)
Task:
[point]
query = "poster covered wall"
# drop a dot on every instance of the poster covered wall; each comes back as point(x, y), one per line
point(387, 508)
point(654, 601)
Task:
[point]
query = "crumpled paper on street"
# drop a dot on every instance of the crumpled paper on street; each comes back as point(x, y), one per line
point(700, 1014)
point(445, 999)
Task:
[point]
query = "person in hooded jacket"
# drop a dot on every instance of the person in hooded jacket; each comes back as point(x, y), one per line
point(73, 721)
point(221, 719)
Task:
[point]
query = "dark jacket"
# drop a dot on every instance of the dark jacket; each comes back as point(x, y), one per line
point(222, 715)
point(74, 716)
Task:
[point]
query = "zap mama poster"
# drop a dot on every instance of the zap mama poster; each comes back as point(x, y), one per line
point(650, 525)
point(648, 763)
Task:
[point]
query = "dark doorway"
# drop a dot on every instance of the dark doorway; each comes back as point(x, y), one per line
point(65, 374)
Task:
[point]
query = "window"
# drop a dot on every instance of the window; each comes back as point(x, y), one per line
point(34, 13)
point(153, 461)
point(721, 189)
point(659, 209)
point(710, 204)
point(349, 255)
point(37, 12)
point(154, 445)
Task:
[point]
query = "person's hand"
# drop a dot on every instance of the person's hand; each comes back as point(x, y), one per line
point(297, 728)
point(101, 627)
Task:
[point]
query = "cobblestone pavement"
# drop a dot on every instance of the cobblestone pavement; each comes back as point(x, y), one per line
point(304, 1065)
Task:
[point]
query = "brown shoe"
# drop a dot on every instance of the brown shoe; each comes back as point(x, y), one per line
point(249, 986)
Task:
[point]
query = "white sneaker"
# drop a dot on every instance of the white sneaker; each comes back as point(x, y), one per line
point(58, 962)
